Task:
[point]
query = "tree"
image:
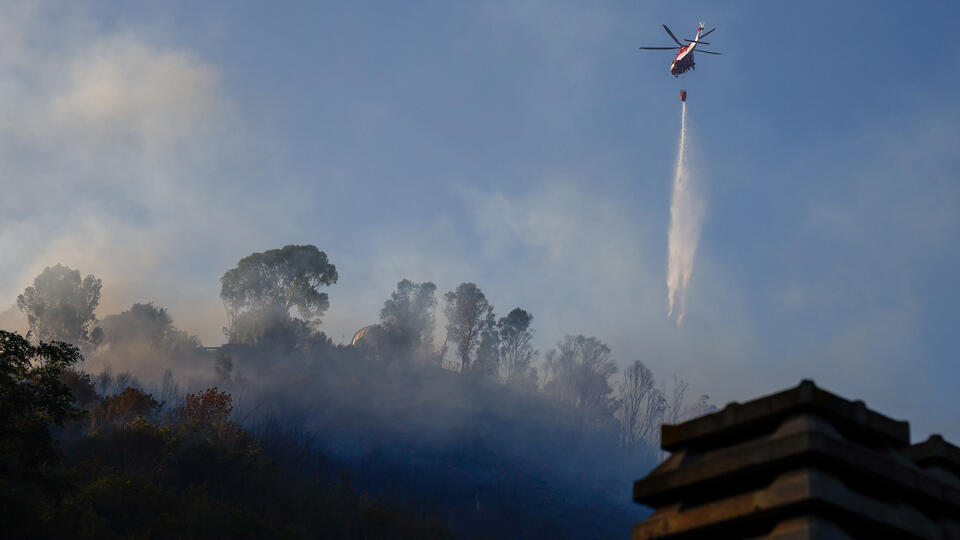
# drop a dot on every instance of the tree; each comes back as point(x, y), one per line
point(516, 351)
point(578, 373)
point(146, 324)
point(468, 314)
point(123, 408)
point(106, 383)
point(81, 386)
point(32, 397)
point(210, 408)
point(642, 407)
point(487, 361)
point(260, 292)
point(675, 408)
point(269, 326)
point(407, 321)
point(700, 408)
point(60, 305)
point(208, 412)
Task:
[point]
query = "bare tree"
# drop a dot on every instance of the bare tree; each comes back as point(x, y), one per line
point(700, 408)
point(578, 373)
point(635, 387)
point(675, 406)
point(167, 391)
point(654, 406)
point(108, 384)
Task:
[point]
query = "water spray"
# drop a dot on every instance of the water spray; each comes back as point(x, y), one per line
point(686, 218)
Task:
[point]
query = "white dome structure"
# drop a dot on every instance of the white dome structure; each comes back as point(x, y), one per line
point(364, 334)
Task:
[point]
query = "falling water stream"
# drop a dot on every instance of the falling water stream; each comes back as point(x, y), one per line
point(686, 218)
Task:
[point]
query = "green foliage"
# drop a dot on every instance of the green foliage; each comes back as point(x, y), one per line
point(60, 305)
point(32, 397)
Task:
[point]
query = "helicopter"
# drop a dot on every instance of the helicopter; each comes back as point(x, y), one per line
point(683, 61)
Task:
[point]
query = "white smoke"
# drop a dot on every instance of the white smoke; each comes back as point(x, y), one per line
point(686, 218)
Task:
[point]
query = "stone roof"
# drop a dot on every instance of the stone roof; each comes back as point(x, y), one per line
point(802, 463)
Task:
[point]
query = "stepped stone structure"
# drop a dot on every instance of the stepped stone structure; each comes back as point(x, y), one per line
point(800, 464)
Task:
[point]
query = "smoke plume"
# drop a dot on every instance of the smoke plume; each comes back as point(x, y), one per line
point(686, 218)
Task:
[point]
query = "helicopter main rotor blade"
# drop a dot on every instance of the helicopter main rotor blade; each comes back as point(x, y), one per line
point(696, 41)
point(657, 48)
point(705, 33)
point(708, 52)
point(673, 36)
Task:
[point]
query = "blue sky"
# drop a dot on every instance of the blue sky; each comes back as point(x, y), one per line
point(525, 146)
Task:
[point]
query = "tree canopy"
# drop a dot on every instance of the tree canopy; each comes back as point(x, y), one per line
point(468, 314)
point(59, 305)
point(146, 323)
point(516, 350)
point(32, 397)
point(407, 319)
point(260, 292)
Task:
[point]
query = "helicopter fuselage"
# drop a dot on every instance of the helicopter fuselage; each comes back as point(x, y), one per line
point(683, 62)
